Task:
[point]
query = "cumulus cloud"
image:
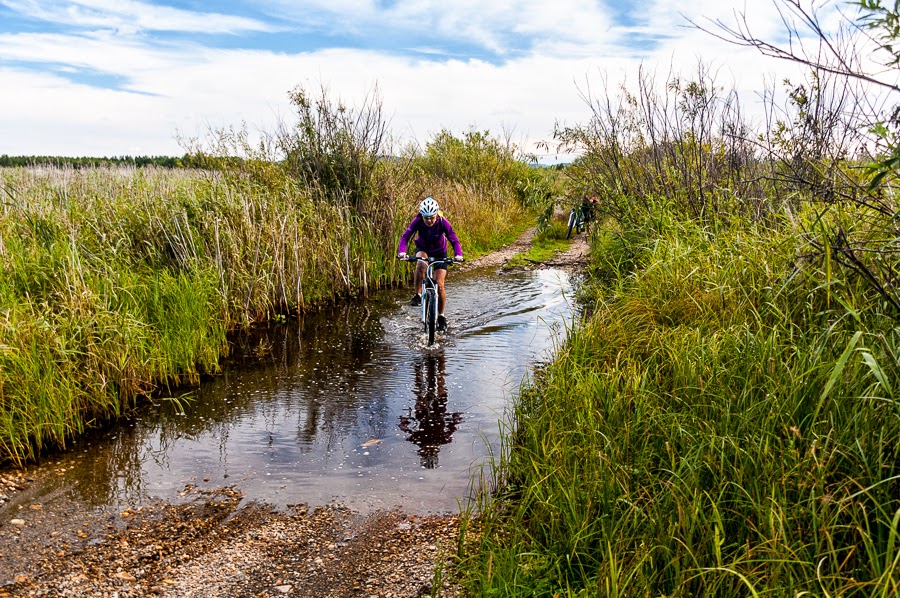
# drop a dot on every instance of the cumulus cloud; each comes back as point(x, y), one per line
point(502, 27)
point(131, 16)
point(538, 58)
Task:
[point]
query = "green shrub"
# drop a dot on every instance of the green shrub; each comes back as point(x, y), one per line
point(723, 425)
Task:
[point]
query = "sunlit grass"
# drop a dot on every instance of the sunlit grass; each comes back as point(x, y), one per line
point(118, 281)
point(544, 247)
point(720, 427)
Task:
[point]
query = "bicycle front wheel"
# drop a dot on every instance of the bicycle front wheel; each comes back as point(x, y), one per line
point(430, 315)
point(572, 219)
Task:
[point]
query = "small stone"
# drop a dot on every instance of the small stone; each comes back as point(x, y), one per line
point(19, 522)
point(283, 589)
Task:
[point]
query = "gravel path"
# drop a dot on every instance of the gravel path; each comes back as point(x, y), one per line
point(575, 257)
point(213, 544)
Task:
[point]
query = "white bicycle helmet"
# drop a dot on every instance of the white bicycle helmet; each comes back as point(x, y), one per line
point(429, 207)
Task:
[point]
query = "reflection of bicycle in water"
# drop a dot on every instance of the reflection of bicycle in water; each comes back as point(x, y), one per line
point(428, 425)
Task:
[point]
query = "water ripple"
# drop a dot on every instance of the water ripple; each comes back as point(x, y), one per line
point(349, 404)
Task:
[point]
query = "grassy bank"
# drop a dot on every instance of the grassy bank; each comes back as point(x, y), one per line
point(117, 282)
point(725, 424)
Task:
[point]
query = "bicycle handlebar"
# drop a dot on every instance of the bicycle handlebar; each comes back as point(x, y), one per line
point(429, 260)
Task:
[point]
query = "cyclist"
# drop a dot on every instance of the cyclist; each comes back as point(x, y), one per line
point(588, 205)
point(432, 232)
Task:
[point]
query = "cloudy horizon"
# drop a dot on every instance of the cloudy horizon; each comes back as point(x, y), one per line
point(131, 77)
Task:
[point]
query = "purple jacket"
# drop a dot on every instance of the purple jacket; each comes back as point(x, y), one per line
point(431, 239)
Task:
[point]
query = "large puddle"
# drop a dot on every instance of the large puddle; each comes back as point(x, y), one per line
point(347, 405)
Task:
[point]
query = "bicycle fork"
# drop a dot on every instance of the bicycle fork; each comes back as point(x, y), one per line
point(429, 299)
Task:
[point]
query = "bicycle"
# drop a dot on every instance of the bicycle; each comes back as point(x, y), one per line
point(429, 292)
point(581, 215)
point(576, 221)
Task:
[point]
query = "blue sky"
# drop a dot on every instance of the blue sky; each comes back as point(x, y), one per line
point(131, 77)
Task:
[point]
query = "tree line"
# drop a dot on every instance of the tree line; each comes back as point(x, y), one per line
point(185, 161)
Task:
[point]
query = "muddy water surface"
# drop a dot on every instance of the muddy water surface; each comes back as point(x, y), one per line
point(346, 406)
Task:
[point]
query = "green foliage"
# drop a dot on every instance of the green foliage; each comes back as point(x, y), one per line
point(334, 149)
point(688, 147)
point(726, 421)
point(725, 424)
point(884, 23)
point(884, 170)
point(539, 191)
point(118, 281)
point(185, 161)
point(476, 159)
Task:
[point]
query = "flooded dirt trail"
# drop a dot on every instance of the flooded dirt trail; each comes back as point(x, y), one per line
point(329, 458)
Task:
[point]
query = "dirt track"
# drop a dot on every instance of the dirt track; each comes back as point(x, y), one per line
point(573, 258)
point(211, 544)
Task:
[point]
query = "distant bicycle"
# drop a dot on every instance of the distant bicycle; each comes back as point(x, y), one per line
point(576, 221)
point(430, 293)
point(580, 215)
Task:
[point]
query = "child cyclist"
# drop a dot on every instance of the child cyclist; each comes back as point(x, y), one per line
point(433, 231)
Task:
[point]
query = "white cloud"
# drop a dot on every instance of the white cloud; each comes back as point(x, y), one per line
point(574, 21)
point(131, 16)
point(498, 26)
point(102, 52)
point(53, 116)
point(169, 87)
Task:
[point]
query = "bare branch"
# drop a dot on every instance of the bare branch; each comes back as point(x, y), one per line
point(836, 62)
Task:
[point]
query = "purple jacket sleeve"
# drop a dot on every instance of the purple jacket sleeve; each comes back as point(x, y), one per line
point(454, 240)
point(408, 233)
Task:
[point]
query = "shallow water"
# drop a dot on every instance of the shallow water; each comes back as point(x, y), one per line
point(347, 405)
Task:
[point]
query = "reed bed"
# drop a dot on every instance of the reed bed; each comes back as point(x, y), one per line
point(119, 282)
point(724, 425)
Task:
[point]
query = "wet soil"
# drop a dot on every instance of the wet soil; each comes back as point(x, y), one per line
point(574, 258)
point(210, 543)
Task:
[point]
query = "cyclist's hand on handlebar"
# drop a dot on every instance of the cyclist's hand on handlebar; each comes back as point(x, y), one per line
point(401, 256)
point(459, 259)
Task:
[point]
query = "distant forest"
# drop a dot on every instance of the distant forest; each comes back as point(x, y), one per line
point(186, 161)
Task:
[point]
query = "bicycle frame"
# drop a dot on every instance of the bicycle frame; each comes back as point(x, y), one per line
point(576, 221)
point(430, 293)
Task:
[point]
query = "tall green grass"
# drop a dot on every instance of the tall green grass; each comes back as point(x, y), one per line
point(118, 281)
point(724, 425)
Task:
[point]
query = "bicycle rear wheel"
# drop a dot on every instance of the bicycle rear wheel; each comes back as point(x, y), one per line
point(571, 225)
point(430, 314)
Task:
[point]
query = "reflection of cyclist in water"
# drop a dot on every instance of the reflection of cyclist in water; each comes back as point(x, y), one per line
point(428, 424)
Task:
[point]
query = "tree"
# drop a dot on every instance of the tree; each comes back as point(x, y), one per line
point(861, 48)
point(843, 51)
